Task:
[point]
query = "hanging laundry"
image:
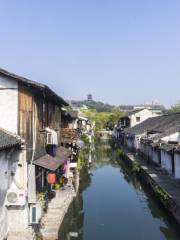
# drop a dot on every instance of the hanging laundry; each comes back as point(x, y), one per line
point(51, 149)
point(66, 168)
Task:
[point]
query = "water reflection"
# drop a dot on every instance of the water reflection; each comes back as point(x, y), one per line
point(113, 203)
point(73, 222)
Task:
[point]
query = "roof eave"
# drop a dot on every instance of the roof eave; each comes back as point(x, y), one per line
point(34, 84)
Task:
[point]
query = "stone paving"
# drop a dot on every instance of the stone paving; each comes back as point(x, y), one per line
point(57, 209)
point(160, 176)
point(28, 235)
point(166, 181)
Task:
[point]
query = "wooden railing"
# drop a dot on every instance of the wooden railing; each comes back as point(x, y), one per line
point(68, 135)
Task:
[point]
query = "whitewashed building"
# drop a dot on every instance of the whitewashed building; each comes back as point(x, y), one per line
point(177, 163)
point(11, 170)
point(159, 141)
point(28, 109)
point(135, 117)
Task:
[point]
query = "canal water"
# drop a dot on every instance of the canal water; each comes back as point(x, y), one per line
point(114, 204)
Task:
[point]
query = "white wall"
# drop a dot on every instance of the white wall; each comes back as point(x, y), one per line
point(8, 164)
point(3, 190)
point(166, 161)
point(142, 148)
point(145, 150)
point(3, 223)
point(12, 219)
point(8, 104)
point(130, 143)
point(155, 156)
point(177, 165)
point(149, 151)
point(174, 137)
point(136, 142)
point(144, 114)
point(18, 216)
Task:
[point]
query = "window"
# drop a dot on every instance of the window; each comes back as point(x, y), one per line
point(138, 119)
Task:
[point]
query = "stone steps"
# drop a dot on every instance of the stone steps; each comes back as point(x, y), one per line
point(21, 236)
point(57, 209)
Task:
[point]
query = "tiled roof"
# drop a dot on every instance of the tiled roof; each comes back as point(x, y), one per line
point(53, 163)
point(130, 113)
point(164, 125)
point(8, 140)
point(168, 147)
point(142, 106)
point(135, 111)
point(34, 84)
point(70, 113)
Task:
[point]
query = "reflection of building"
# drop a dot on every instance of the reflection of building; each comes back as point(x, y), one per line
point(71, 227)
point(74, 220)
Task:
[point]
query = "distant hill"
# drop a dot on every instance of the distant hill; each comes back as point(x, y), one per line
point(99, 106)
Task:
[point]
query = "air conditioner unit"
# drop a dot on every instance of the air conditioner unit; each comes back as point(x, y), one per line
point(49, 138)
point(35, 214)
point(15, 197)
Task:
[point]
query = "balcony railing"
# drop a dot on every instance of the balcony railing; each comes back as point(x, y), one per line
point(68, 135)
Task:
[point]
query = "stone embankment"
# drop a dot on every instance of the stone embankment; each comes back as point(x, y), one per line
point(163, 186)
point(57, 209)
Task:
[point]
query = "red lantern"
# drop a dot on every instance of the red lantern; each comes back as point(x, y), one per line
point(51, 178)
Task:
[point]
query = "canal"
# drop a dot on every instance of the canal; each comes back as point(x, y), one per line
point(114, 204)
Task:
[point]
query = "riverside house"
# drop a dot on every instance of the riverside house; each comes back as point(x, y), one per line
point(10, 151)
point(30, 114)
point(133, 118)
point(157, 140)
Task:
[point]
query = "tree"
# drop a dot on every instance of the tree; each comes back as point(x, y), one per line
point(175, 108)
point(103, 120)
point(113, 118)
point(99, 106)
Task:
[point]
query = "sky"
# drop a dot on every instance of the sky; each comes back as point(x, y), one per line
point(121, 51)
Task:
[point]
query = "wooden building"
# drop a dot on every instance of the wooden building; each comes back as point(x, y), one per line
point(27, 109)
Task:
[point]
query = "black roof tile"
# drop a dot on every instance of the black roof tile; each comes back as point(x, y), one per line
point(8, 140)
point(34, 84)
point(163, 125)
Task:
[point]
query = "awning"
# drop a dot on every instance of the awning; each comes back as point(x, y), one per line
point(53, 163)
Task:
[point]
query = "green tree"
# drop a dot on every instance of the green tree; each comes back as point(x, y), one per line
point(99, 106)
point(113, 118)
point(175, 108)
point(103, 120)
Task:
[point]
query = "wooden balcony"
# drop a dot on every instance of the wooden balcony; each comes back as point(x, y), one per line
point(68, 135)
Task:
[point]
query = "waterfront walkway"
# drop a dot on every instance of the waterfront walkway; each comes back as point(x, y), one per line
point(159, 177)
point(167, 182)
point(57, 209)
point(114, 204)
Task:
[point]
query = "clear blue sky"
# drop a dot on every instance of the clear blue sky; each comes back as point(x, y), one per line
point(121, 51)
